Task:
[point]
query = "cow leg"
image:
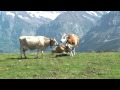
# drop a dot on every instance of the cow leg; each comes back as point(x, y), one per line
point(37, 53)
point(24, 53)
point(21, 51)
point(42, 53)
point(71, 53)
point(74, 51)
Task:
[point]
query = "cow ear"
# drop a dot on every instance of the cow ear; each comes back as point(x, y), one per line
point(53, 39)
point(65, 34)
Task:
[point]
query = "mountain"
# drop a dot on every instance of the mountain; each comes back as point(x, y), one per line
point(48, 23)
point(16, 23)
point(77, 22)
point(105, 35)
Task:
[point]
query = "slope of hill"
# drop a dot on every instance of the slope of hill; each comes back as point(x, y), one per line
point(16, 23)
point(77, 22)
point(105, 35)
point(48, 23)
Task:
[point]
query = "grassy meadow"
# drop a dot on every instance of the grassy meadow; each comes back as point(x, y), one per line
point(92, 65)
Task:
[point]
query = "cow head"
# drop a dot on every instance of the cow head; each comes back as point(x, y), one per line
point(64, 38)
point(53, 42)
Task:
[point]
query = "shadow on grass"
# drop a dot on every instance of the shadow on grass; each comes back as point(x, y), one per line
point(22, 58)
point(18, 58)
point(28, 58)
point(62, 55)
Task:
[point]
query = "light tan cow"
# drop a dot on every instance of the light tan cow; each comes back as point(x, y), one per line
point(35, 42)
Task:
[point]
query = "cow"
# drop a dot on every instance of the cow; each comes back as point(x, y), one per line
point(72, 41)
point(60, 49)
point(35, 42)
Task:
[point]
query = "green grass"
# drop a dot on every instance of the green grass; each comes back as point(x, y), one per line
point(81, 66)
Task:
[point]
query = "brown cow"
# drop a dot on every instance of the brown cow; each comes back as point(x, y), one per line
point(70, 39)
point(60, 49)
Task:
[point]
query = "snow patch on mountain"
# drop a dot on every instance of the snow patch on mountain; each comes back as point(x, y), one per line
point(93, 13)
point(106, 40)
point(10, 13)
point(91, 19)
point(47, 14)
point(24, 18)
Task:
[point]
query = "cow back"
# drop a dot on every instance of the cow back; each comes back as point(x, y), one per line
point(73, 39)
point(31, 42)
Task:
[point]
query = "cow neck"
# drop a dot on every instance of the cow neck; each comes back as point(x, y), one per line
point(48, 41)
point(67, 41)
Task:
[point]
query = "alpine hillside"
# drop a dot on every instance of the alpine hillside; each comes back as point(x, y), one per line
point(16, 23)
point(77, 22)
point(47, 23)
point(104, 36)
